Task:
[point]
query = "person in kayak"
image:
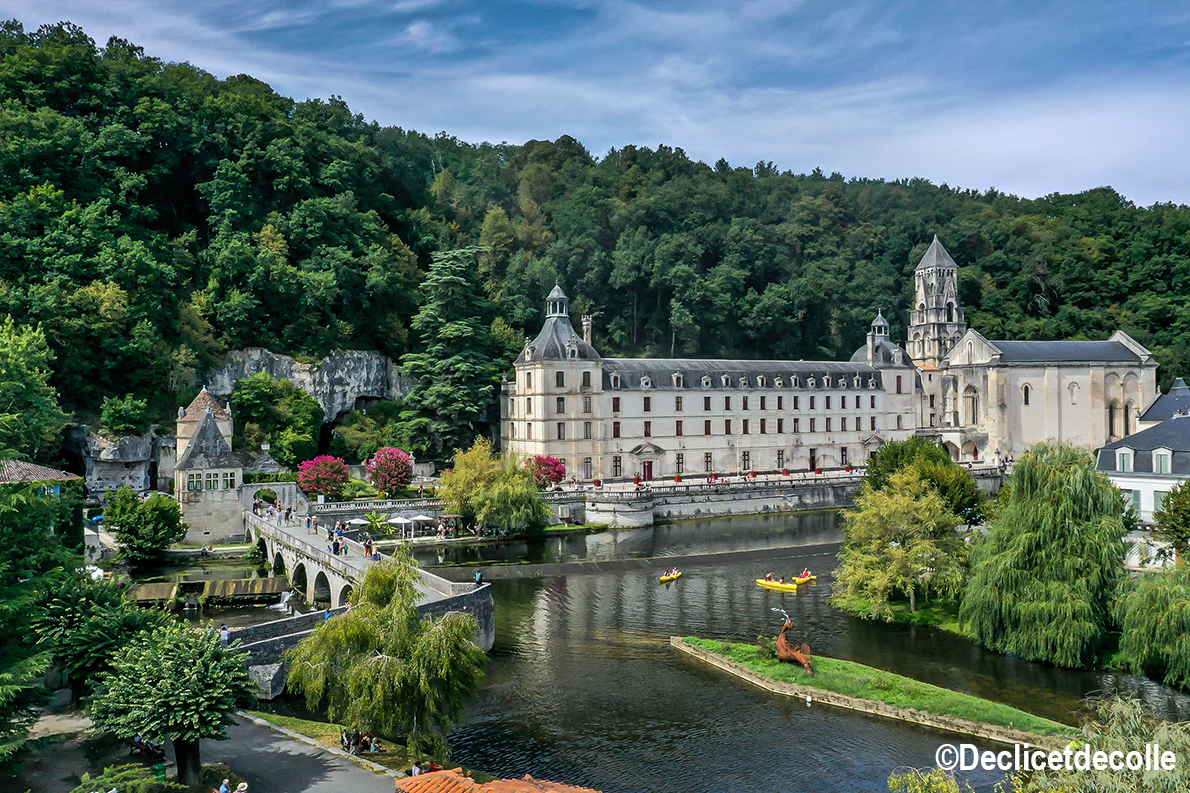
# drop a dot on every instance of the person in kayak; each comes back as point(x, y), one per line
point(768, 576)
point(805, 573)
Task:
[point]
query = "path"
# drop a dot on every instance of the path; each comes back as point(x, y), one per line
point(274, 763)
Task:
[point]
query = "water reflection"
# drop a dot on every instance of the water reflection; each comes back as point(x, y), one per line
point(583, 687)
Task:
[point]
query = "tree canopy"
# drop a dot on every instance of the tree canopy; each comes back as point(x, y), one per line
point(145, 528)
point(1042, 578)
point(1172, 519)
point(482, 486)
point(278, 413)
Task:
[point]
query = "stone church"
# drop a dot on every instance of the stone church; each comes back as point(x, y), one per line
point(982, 399)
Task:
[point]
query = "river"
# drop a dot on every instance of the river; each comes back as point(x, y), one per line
point(583, 688)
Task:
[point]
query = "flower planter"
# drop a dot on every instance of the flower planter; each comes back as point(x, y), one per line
point(785, 472)
point(817, 470)
point(678, 478)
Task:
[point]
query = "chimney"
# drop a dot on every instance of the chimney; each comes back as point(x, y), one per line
point(871, 348)
point(587, 328)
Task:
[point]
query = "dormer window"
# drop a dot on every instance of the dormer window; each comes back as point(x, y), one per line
point(706, 381)
point(726, 381)
point(857, 381)
point(794, 382)
point(779, 382)
point(1162, 461)
point(1124, 460)
point(646, 382)
point(615, 381)
point(761, 381)
point(678, 380)
point(811, 382)
point(871, 382)
point(826, 382)
point(572, 351)
point(743, 382)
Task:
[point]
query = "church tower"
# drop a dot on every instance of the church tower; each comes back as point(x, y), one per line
point(936, 320)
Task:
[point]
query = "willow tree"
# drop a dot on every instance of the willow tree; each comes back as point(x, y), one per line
point(495, 491)
point(1154, 620)
point(1042, 577)
point(900, 540)
point(381, 668)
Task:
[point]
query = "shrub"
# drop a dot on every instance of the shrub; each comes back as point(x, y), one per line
point(324, 475)
point(546, 470)
point(358, 488)
point(390, 470)
point(125, 416)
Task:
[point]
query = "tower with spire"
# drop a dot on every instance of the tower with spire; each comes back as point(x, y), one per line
point(936, 320)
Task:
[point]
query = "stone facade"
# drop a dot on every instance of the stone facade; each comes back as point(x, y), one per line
point(208, 478)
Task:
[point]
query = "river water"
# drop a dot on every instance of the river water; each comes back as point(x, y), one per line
point(583, 687)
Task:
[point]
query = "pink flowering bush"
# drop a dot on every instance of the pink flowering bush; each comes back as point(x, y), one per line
point(546, 470)
point(324, 475)
point(390, 470)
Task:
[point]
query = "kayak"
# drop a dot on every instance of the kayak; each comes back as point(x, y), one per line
point(665, 579)
point(791, 586)
point(807, 578)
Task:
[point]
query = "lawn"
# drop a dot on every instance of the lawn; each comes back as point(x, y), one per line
point(864, 682)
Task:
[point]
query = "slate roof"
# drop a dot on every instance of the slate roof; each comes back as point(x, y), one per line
point(1064, 351)
point(18, 471)
point(203, 402)
point(207, 448)
point(935, 256)
point(884, 353)
point(1173, 434)
point(660, 371)
point(1164, 406)
point(551, 344)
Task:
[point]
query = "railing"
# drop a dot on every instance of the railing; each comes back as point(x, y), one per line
point(378, 505)
point(316, 552)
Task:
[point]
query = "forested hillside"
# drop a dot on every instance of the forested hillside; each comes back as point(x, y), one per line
point(153, 216)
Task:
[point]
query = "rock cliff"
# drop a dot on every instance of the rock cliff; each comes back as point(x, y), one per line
point(336, 381)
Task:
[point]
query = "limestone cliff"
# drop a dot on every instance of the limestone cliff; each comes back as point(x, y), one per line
point(336, 381)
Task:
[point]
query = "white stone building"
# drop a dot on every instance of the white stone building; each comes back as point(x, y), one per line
point(208, 477)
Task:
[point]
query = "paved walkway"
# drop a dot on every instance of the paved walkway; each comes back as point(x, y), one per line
point(274, 763)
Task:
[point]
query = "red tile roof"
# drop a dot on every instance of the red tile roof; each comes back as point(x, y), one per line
point(200, 404)
point(453, 781)
point(13, 471)
point(530, 785)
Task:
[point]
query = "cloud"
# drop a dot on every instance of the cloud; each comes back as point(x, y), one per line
point(1029, 99)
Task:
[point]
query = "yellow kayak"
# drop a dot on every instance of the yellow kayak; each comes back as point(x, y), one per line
point(807, 578)
point(665, 579)
point(787, 587)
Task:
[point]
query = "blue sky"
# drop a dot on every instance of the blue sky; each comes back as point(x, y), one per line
point(1027, 97)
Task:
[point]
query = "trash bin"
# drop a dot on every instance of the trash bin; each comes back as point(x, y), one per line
point(160, 769)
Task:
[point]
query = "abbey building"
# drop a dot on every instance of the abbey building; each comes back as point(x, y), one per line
point(980, 398)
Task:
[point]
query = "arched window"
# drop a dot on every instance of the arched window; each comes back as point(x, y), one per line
point(899, 421)
point(615, 381)
point(1025, 393)
point(1112, 421)
point(970, 406)
point(794, 382)
point(950, 312)
point(1074, 393)
point(1128, 419)
point(970, 351)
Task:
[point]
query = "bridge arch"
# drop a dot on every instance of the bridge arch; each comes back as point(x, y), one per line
point(298, 581)
point(344, 595)
point(279, 566)
point(321, 591)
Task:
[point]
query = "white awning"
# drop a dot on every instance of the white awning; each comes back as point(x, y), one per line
point(399, 521)
point(422, 517)
point(358, 521)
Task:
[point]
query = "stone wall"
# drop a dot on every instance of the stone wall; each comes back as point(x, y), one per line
point(214, 516)
point(336, 381)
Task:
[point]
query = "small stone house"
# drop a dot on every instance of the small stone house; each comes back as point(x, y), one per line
point(208, 476)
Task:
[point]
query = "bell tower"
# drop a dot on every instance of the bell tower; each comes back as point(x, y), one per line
point(936, 320)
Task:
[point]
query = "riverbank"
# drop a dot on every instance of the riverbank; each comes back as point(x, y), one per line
point(857, 687)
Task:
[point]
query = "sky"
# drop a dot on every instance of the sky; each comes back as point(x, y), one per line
point(1027, 97)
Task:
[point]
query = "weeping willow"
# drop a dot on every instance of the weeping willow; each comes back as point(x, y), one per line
point(1154, 618)
point(1042, 577)
point(382, 668)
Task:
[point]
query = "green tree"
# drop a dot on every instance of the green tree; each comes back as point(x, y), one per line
point(454, 371)
point(1154, 620)
point(125, 779)
point(1173, 519)
point(86, 622)
point(898, 541)
point(1042, 577)
point(278, 413)
point(481, 486)
point(175, 684)
point(145, 528)
point(125, 416)
point(382, 668)
point(931, 780)
point(30, 420)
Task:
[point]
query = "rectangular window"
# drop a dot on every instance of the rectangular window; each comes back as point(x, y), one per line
point(727, 426)
point(796, 422)
point(843, 401)
point(780, 402)
point(561, 431)
point(898, 384)
point(586, 404)
point(1161, 462)
point(194, 482)
point(762, 426)
point(648, 404)
point(873, 405)
point(780, 458)
point(512, 430)
point(617, 466)
point(1134, 502)
point(1159, 499)
point(528, 406)
point(706, 427)
point(586, 430)
point(560, 379)
point(706, 403)
point(873, 423)
point(586, 468)
point(727, 403)
point(828, 423)
point(1124, 460)
point(586, 381)
point(762, 402)
point(745, 428)
point(745, 403)
point(615, 429)
point(843, 457)
point(828, 402)
point(812, 423)
point(746, 461)
point(680, 463)
point(528, 430)
point(561, 405)
point(648, 429)
point(678, 404)
point(229, 480)
point(615, 404)
point(931, 401)
point(678, 427)
point(212, 481)
point(797, 403)
point(811, 403)
point(780, 426)
point(843, 424)
point(708, 462)
point(528, 380)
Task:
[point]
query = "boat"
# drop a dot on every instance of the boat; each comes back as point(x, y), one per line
point(790, 586)
point(807, 578)
point(665, 579)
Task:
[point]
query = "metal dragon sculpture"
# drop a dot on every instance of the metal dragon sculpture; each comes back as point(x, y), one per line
point(787, 652)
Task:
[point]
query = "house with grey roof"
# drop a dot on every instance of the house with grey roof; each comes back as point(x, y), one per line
point(1165, 406)
point(207, 476)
